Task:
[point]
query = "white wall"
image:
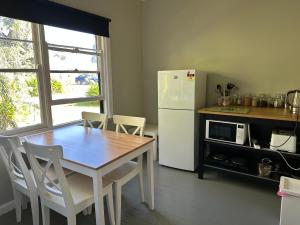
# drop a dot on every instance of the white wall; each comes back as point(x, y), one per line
point(253, 43)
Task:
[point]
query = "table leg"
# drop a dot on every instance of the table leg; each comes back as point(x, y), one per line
point(150, 176)
point(98, 197)
point(155, 149)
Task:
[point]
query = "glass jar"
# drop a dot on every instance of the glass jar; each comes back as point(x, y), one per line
point(239, 100)
point(271, 102)
point(279, 100)
point(254, 101)
point(263, 100)
point(265, 167)
point(247, 100)
point(220, 100)
point(226, 101)
point(234, 99)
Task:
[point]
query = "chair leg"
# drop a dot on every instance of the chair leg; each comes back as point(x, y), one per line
point(46, 215)
point(118, 205)
point(34, 201)
point(110, 206)
point(72, 219)
point(24, 202)
point(18, 205)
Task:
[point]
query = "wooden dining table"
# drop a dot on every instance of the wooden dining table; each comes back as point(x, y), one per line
point(94, 153)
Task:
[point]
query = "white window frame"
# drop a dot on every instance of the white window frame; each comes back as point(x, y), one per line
point(107, 76)
point(38, 72)
point(48, 71)
point(43, 76)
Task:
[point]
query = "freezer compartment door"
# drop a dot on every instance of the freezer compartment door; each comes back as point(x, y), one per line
point(176, 89)
point(176, 138)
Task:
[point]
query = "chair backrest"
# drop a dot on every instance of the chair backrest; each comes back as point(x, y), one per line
point(14, 162)
point(90, 117)
point(123, 121)
point(47, 187)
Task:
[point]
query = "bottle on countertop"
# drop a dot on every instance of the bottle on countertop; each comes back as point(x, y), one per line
point(279, 100)
point(263, 100)
point(247, 100)
point(239, 100)
point(271, 102)
point(254, 101)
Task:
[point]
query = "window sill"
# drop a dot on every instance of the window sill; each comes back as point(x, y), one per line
point(22, 132)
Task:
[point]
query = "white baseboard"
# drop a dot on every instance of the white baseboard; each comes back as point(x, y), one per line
point(5, 208)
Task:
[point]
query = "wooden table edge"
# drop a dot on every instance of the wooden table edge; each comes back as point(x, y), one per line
point(285, 115)
point(107, 163)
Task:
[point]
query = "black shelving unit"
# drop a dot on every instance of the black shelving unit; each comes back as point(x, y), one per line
point(252, 149)
point(234, 172)
point(261, 129)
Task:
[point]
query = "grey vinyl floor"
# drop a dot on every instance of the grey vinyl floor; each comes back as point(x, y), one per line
point(182, 199)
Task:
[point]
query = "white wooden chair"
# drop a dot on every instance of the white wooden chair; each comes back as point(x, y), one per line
point(90, 117)
point(70, 195)
point(131, 169)
point(21, 178)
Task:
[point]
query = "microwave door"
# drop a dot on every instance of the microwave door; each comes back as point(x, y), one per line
point(222, 131)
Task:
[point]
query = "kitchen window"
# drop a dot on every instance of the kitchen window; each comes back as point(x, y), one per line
point(20, 99)
point(49, 75)
point(74, 63)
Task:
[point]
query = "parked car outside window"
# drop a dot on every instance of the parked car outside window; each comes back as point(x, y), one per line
point(85, 79)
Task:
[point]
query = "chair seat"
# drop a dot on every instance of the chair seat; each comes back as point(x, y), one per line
point(21, 185)
point(51, 174)
point(81, 188)
point(122, 171)
point(151, 130)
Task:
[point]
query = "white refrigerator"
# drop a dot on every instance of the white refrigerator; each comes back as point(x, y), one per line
point(180, 94)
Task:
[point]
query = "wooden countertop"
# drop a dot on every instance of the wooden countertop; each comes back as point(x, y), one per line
point(257, 112)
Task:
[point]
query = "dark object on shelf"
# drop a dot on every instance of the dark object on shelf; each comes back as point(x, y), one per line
point(242, 173)
point(220, 157)
point(263, 100)
point(231, 86)
point(219, 89)
point(238, 161)
point(265, 167)
point(224, 161)
point(226, 91)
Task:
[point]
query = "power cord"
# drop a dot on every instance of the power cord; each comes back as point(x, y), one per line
point(291, 167)
point(277, 150)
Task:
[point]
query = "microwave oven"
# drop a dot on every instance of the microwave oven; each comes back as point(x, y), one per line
point(226, 131)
